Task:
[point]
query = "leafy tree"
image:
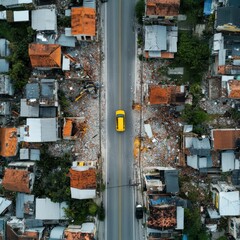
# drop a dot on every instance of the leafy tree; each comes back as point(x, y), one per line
point(192, 53)
point(101, 212)
point(93, 208)
point(193, 226)
point(194, 115)
point(139, 9)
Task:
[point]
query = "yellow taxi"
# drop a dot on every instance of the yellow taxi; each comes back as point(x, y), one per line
point(120, 120)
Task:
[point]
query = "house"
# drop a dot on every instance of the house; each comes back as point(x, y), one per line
point(234, 227)
point(15, 3)
point(25, 205)
point(8, 142)
point(228, 161)
point(21, 16)
point(160, 41)
point(84, 231)
point(6, 86)
point(225, 49)
point(45, 56)
point(166, 94)
point(83, 23)
point(4, 205)
point(225, 139)
point(162, 8)
point(19, 230)
point(27, 110)
point(5, 108)
point(164, 213)
point(161, 179)
point(225, 198)
point(228, 19)
point(52, 210)
point(48, 16)
point(29, 154)
point(40, 130)
point(72, 128)
point(43, 93)
point(19, 177)
point(83, 181)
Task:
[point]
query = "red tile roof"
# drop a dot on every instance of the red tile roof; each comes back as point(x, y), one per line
point(78, 236)
point(16, 180)
point(8, 142)
point(224, 139)
point(45, 55)
point(83, 179)
point(83, 21)
point(162, 7)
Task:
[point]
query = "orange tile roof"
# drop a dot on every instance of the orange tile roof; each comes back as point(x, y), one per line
point(162, 7)
point(83, 179)
point(8, 142)
point(224, 139)
point(83, 21)
point(16, 180)
point(45, 55)
point(67, 128)
point(78, 236)
point(163, 94)
point(234, 89)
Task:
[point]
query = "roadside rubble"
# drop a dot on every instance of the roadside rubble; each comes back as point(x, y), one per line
point(84, 70)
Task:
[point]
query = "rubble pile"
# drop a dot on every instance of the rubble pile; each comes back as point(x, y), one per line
point(86, 147)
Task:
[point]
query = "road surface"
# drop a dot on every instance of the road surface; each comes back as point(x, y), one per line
point(120, 53)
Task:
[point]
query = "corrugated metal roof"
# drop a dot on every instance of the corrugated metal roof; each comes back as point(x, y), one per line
point(180, 218)
point(35, 154)
point(222, 57)
point(229, 204)
point(89, 3)
point(6, 86)
point(171, 180)
point(57, 232)
point(23, 202)
point(155, 38)
point(28, 110)
point(41, 130)
point(192, 161)
point(47, 112)
point(32, 91)
point(14, 2)
point(47, 88)
point(66, 41)
point(228, 15)
point(48, 210)
point(48, 19)
point(83, 193)
point(4, 48)
point(228, 161)
point(4, 66)
point(4, 204)
point(21, 16)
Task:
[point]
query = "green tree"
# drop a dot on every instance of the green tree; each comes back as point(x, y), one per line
point(193, 226)
point(139, 10)
point(194, 115)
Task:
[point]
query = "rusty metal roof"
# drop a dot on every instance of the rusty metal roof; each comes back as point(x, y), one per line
point(224, 139)
point(45, 55)
point(162, 7)
point(83, 21)
point(8, 142)
point(16, 180)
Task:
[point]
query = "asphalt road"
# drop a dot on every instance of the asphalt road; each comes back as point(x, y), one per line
point(120, 56)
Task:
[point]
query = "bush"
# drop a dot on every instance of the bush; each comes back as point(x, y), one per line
point(101, 213)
